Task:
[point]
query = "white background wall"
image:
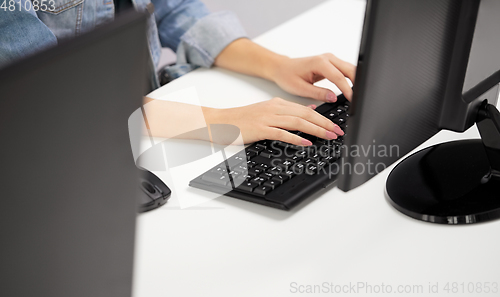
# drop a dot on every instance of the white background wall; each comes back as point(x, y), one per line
point(257, 16)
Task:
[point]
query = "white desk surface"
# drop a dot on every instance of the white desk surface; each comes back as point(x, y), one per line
point(229, 247)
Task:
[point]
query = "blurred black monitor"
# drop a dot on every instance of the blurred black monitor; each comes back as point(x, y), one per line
point(69, 184)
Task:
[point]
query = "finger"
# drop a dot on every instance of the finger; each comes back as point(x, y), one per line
point(274, 133)
point(348, 69)
point(293, 109)
point(312, 106)
point(306, 89)
point(297, 124)
point(335, 76)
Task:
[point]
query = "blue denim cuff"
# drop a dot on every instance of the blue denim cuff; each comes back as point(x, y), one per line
point(203, 42)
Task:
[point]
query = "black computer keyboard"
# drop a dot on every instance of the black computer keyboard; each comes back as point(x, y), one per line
point(278, 174)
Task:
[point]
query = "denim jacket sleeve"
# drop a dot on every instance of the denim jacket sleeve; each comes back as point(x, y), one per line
point(22, 33)
point(197, 36)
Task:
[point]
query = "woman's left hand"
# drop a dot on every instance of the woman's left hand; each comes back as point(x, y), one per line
point(297, 76)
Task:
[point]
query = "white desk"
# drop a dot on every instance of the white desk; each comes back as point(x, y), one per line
point(229, 247)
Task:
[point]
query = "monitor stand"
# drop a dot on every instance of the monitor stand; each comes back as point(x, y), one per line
point(454, 182)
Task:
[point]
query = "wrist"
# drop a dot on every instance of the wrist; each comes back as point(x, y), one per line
point(214, 116)
point(223, 117)
point(273, 66)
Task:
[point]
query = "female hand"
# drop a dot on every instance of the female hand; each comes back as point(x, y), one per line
point(297, 76)
point(271, 119)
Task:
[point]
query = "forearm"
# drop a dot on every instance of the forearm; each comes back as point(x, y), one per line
point(178, 120)
point(247, 57)
point(265, 120)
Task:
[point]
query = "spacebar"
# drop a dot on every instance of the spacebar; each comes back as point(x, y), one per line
point(215, 178)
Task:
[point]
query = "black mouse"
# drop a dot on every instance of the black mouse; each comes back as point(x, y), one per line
point(154, 193)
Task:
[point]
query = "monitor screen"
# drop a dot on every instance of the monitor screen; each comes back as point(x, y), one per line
point(484, 58)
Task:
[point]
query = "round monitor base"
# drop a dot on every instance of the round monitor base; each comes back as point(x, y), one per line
point(448, 183)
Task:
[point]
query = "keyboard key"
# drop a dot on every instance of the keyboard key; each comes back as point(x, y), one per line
point(237, 159)
point(255, 171)
point(255, 148)
point(296, 158)
point(251, 163)
point(285, 165)
point(250, 154)
point(309, 161)
point(241, 169)
point(247, 187)
point(262, 166)
point(331, 115)
point(267, 175)
point(220, 169)
point(325, 151)
point(329, 159)
point(325, 107)
point(290, 173)
point(242, 179)
point(262, 190)
point(234, 174)
point(281, 178)
point(273, 184)
point(215, 178)
point(297, 168)
point(340, 120)
point(301, 154)
point(311, 169)
point(247, 177)
point(259, 180)
point(275, 170)
point(315, 156)
point(269, 153)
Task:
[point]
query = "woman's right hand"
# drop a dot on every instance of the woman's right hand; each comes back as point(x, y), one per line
point(271, 119)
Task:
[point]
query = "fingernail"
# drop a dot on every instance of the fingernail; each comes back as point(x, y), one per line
point(331, 97)
point(337, 130)
point(306, 142)
point(312, 106)
point(331, 135)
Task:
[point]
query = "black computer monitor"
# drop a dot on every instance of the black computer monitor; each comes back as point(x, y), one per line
point(69, 185)
point(416, 72)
